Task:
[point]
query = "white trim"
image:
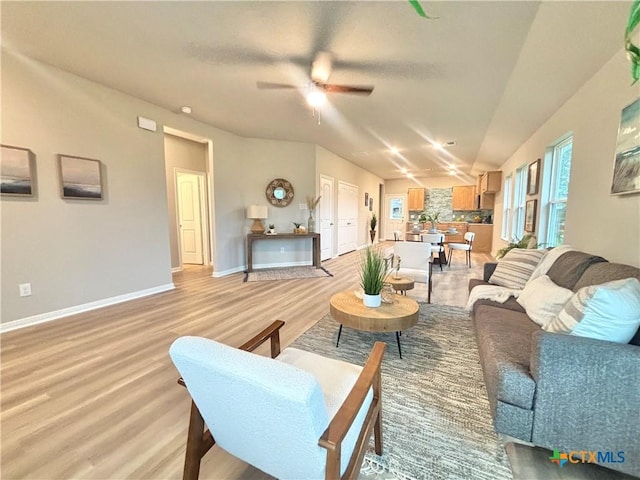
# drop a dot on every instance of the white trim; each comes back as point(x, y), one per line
point(65, 312)
point(230, 271)
point(176, 269)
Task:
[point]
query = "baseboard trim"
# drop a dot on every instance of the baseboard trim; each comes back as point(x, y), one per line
point(176, 269)
point(85, 307)
point(224, 273)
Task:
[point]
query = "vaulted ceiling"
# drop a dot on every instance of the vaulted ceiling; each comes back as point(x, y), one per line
point(484, 75)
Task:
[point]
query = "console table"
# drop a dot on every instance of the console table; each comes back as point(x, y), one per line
point(252, 237)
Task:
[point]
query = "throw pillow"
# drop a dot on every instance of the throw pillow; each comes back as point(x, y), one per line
point(543, 300)
point(516, 267)
point(610, 311)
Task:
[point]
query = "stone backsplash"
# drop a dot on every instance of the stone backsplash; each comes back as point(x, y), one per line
point(441, 200)
point(467, 215)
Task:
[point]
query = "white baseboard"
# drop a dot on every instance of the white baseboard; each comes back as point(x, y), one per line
point(65, 312)
point(176, 269)
point(224, 273)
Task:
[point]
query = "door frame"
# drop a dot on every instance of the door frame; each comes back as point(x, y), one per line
point(204, 205)
point(332, 209)
point(357, 215)
point(386, 219)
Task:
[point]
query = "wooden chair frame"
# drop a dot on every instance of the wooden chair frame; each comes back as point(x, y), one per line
point(199, 441)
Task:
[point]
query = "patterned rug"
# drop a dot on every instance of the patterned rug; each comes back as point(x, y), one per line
point(436, 419)
point(287, 273)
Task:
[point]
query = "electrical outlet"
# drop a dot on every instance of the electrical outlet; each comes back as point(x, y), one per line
point(25, 289)
point(303, 206)
point(281, 249)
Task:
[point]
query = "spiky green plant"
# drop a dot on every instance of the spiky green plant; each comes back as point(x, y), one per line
point(372, 270)
point(373, 222)
point(515, 243)
point(633, 51)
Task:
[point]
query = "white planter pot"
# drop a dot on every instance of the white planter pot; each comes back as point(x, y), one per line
point(371, 300)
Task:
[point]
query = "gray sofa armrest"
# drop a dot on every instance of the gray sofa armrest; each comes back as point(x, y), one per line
point(586, 396)
point(489, 268)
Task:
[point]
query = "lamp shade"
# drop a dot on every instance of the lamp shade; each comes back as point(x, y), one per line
point(257, 211)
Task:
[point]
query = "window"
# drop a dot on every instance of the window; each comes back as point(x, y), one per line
point(506, 208)
point(559, 191)
point(519, 200)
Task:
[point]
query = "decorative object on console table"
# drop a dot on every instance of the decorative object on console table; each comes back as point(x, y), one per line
point(626, 170)
point(311, 205)
point(530, 216)
point(80, 178)
point(373, 271)
point(299, 228)
point(16, 171)
point(533, 177)
point(257, 213)
point(272, 229)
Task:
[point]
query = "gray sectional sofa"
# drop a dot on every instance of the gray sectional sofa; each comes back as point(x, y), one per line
point(559, 391)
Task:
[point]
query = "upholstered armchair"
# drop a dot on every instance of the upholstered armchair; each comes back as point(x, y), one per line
point(415, 262)
point(295, 415)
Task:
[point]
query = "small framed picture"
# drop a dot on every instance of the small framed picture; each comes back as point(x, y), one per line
point(371, 204)
point(366, 199)
point(16, 171)
point(533, 177)
point(80, 178)
point(530, 216)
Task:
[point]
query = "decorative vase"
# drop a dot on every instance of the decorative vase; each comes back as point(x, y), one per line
point(433, 228)
point(416, 228)
point(372, 301)
point(311, 223)
point(372, 233)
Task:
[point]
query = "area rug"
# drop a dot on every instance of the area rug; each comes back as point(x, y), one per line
point(435, 411)
point(287, 273)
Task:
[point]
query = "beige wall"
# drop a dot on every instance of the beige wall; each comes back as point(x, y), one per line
point(597, 222)
point(330, 164)
point(181, 154)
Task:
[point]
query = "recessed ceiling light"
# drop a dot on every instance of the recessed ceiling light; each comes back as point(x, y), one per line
point(452, 172)
point(403, 170)
point(316, 98)
point(409, 175)
point(185, 109)
point(394, 150)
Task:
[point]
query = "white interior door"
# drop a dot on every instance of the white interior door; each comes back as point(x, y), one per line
point(326, 217)
point(189, 218)
point(395, 214)
point(347, 217)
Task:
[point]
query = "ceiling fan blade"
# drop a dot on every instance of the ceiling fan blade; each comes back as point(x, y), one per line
point(271, 85)
point(321, 67)
point(358, 90)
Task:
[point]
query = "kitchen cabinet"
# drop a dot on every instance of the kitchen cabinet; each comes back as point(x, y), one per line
point(486, 201)
point(464, 198)
point(484, 237)
point(491, 182)
point(416, 199)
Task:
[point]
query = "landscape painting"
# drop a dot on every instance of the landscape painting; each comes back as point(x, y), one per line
point(80, 178)
point(626, 170)
point(16, 176)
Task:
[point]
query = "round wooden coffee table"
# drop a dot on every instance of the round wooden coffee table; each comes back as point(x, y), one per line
point(348, 310)
point(401, 284)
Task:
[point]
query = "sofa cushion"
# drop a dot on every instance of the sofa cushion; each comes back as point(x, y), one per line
point(543, 300)
point(603, 272)
point(569, 267)
point(504, 342)
point(610, 311)
point(516, 267)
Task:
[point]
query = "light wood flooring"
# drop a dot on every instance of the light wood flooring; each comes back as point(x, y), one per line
point(94, 395)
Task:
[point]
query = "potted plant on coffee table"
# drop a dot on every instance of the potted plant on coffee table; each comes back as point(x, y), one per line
point(373, 272)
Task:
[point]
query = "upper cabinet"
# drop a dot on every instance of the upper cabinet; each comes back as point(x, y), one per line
point(490, 182)
point(464, 198)
point(416, 199)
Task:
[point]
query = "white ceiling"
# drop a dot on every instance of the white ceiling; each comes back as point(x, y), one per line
point(485, 74)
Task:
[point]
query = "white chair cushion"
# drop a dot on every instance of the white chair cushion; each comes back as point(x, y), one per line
point(336, 379)
point(249, 401)
point(459, 246)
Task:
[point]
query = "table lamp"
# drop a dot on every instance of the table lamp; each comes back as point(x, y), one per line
point(257, 213)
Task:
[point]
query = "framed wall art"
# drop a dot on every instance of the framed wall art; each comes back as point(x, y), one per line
point(80, 178)
point(530, 216)
point(533, 177)
point(371, 204)
point(626, 168)
point(366, 199)
point(16, 171)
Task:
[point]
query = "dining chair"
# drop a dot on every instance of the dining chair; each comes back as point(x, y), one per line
point(415, 262)
point(467, 247)
point(437, 246)
point(294, 415)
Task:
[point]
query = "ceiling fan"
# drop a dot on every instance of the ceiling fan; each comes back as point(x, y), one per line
point(317, 87)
